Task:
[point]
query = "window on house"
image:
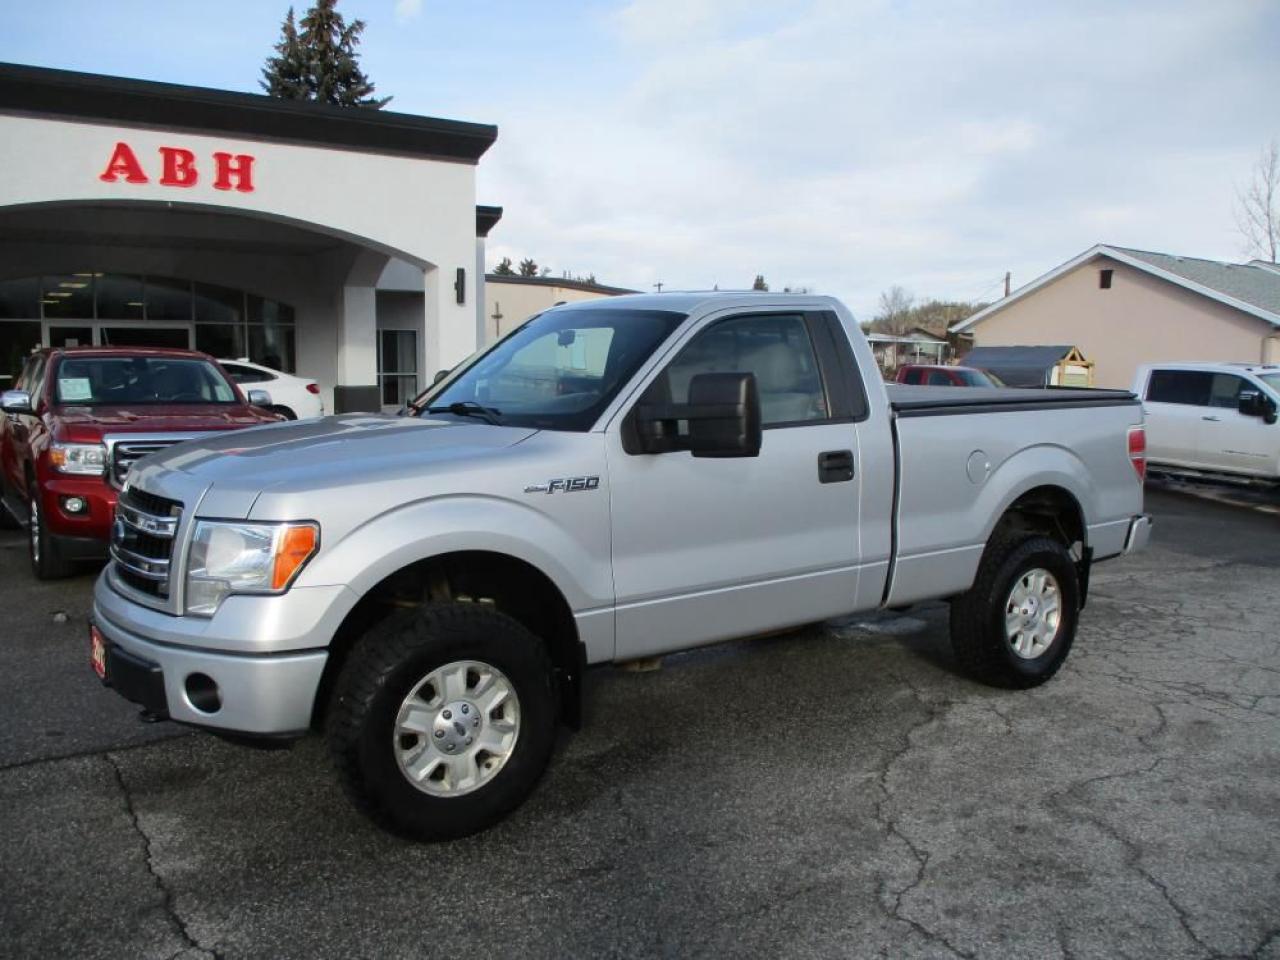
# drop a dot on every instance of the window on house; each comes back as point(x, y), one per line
point(1104, 279)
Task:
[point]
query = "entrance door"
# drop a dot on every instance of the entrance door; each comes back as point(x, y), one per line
point(144, 336)
point(706, 548)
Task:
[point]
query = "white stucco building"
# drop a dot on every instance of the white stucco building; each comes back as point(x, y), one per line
point(341, 243)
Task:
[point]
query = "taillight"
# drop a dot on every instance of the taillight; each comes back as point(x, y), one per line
point(313, 388)
point(1138, 452)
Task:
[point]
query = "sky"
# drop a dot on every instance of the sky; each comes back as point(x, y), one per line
point(844, 146)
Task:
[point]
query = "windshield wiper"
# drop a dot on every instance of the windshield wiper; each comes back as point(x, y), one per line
point(469, 408)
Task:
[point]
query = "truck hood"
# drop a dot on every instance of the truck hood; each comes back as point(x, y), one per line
point(78, 424)
point(323, 454)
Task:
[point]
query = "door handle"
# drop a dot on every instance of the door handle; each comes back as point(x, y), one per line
point(835, 466)
point(1210, 419)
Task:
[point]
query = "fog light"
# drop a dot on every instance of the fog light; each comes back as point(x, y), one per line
point(74, 504)
point(203, 693)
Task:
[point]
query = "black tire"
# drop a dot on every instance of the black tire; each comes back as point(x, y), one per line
point(284, 412)
point(978, 632)
point(47, 562)
point(384, 667)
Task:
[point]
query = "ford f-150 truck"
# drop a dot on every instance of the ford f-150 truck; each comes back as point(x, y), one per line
point(77, 420)
point(611, 481)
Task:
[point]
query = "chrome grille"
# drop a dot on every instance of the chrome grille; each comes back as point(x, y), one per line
point(124, 453)
point(142, 539)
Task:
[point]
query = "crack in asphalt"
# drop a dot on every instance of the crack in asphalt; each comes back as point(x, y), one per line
point(84, 754)
point(894, 910)
point(1133, 851)
point(166, 895)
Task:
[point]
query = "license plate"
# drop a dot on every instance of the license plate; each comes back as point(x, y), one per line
point(98, 652)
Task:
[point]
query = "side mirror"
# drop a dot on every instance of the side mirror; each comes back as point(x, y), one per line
point(15, 401)
point(440, 375)
point(1251, 403)
point(259, 398)
point(723, 417)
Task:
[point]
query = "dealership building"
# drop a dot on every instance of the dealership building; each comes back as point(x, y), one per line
point(344, 244)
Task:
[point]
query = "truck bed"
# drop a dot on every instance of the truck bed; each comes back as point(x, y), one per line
point(914, 401)
point(959, 468)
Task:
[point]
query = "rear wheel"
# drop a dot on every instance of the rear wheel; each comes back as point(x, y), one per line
point(47, 562)
point(1015, 627)
point(443, 719)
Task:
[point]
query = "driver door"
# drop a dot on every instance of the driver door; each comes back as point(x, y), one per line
point(708, 548)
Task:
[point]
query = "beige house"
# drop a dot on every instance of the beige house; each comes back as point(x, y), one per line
point(1125, 307)
point(509, 300)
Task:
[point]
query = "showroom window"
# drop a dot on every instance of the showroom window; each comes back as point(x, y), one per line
point(131, 309)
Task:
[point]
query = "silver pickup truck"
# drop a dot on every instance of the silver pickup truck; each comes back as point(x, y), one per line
point(613, 480)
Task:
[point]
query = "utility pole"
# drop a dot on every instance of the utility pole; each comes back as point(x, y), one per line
point(1008, 275)
point(496, 317)
point(658, 286)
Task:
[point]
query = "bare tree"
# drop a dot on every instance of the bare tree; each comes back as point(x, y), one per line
point(895, 311)
point(1258, 205)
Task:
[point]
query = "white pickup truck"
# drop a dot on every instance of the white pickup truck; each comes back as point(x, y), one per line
point(1212, 419)
point(613, 480)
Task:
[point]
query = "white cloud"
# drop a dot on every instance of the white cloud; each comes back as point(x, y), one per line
point(407, 9)
point(849, 147)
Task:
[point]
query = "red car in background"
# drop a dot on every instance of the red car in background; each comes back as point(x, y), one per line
point(77, 419)
point(923, 374)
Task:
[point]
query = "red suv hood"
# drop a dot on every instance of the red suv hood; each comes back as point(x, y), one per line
point(75, 424)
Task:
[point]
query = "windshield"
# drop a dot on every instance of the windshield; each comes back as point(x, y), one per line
point(131, 381)
point(1272, 380)
point(556, 372)
point(977, 378)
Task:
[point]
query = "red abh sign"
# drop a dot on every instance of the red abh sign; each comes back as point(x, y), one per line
point(178, 169)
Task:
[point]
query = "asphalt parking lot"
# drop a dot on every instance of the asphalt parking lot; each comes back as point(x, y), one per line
point(839, 792)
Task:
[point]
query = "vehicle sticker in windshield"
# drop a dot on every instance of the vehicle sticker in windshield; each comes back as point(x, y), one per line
point(71, 389)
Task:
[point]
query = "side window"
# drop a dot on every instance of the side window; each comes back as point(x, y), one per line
point(24, 375)
point(1226, 388)
point(1190, 387)
point(939, 378)
point(776, 348)
point(913, 376)
point(246, 374)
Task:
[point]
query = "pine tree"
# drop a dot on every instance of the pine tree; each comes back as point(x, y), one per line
point(503, 269)
point(759, 284)
point(528, 267)
point(320, 62)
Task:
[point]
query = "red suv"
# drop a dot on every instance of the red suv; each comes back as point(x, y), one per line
point(77, 419)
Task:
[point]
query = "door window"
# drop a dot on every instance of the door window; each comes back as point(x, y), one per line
point(939, 378)
point(912, 377)
point(1225, 389)
point(1190, 387)
point(776, 348)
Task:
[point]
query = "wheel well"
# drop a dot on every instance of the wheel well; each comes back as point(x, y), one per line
point(1051, 511)
point(518, 589)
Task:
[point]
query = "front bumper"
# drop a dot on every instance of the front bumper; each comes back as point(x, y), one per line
point(1139, 534)
point(258, 694)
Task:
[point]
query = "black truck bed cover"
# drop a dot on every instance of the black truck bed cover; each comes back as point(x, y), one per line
point(912, 401)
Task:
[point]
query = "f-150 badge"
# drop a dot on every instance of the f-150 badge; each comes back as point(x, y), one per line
point(564, 485)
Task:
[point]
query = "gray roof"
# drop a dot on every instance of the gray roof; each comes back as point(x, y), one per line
point(1038, 358)
point(1251, 282)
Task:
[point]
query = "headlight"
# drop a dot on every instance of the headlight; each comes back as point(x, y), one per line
point(228, 557)
point(88, 459)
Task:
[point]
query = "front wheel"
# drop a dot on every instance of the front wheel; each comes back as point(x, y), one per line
point(47, 562)
point(443, 719)
point(1015, 626)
